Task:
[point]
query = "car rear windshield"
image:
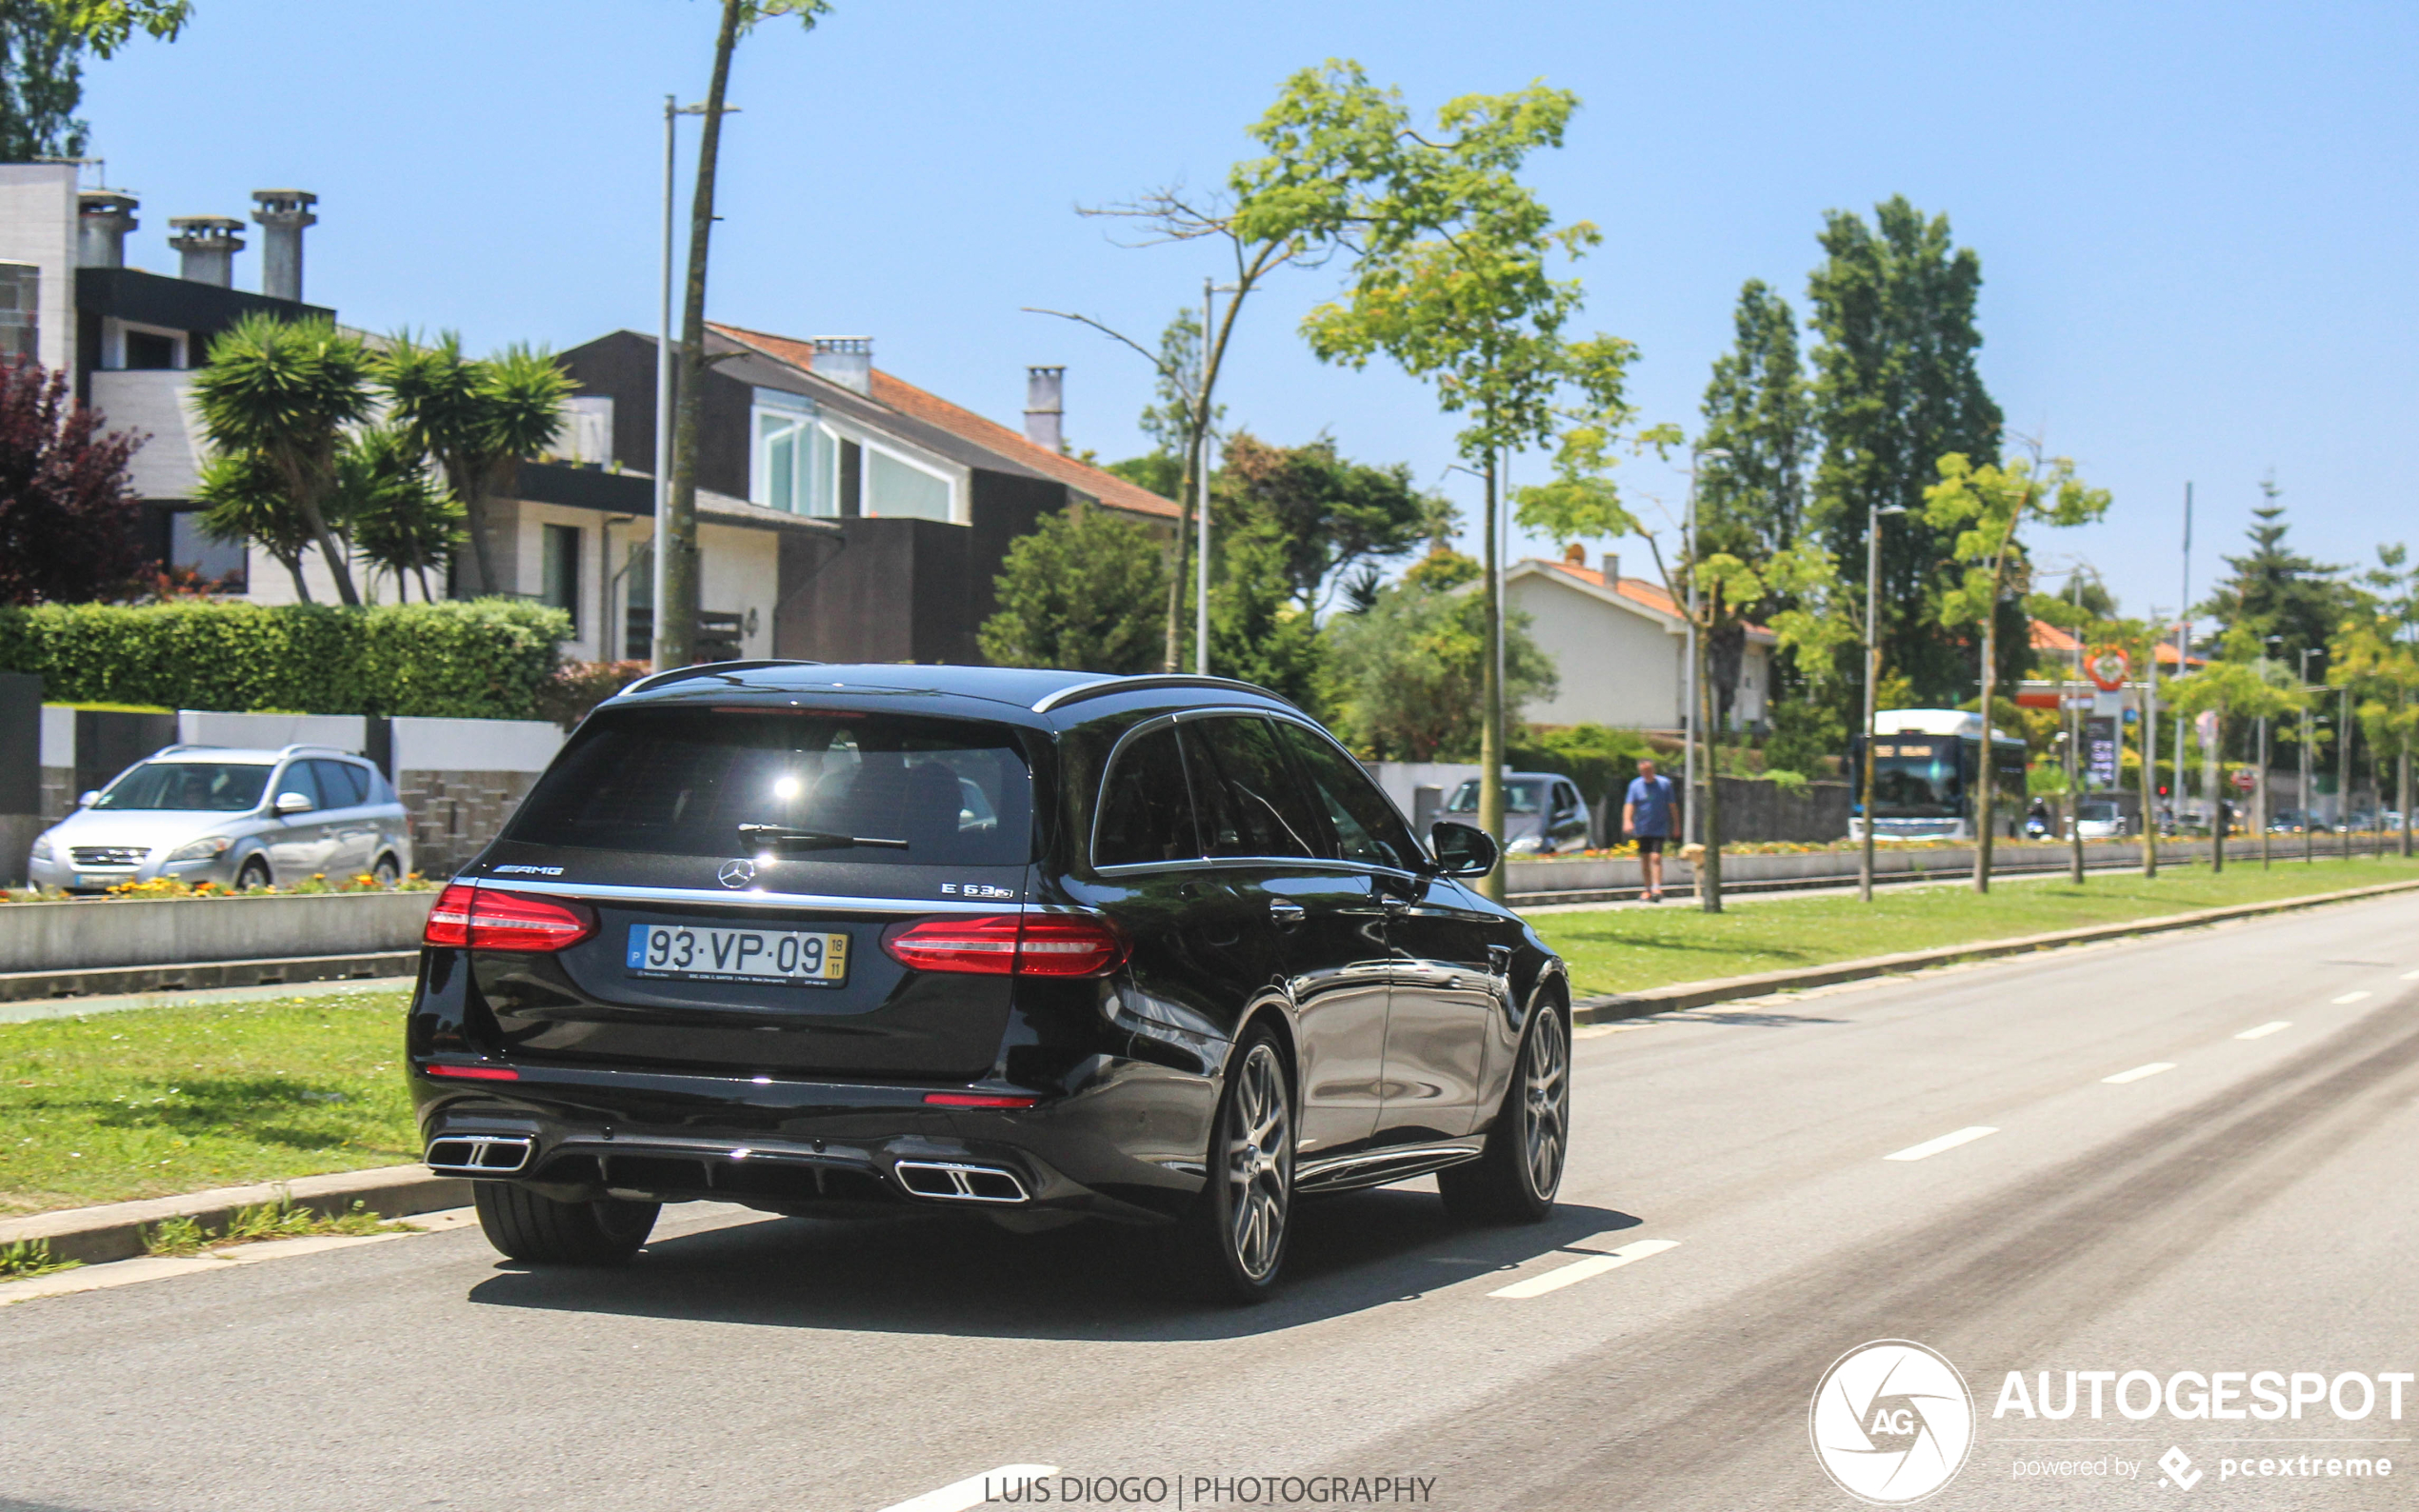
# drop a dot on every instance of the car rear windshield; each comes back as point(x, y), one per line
point(828, 783)
point(221, 788)
point(1519, 798)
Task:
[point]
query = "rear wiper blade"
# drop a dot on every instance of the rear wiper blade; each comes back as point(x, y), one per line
point(781, 837)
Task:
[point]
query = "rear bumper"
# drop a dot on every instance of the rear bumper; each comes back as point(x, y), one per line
point(1126, 1142)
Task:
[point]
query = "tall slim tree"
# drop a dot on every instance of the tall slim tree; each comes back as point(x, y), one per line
point(2376, 654)
point(1983, 511)
point(287, 391)
point(2273, 589)
point(676, 617)
point(1896, 389)
point(1452, 278)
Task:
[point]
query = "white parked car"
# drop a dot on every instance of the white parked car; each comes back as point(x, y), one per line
point(2098, 818)
point(238, 818)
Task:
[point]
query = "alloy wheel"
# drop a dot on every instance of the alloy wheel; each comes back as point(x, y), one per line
point(1259, 1168)
point(1544, 1114)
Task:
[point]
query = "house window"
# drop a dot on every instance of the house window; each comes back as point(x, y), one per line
point(151, 349)
point(794, 459)
point(559, 568)
point(896, 486)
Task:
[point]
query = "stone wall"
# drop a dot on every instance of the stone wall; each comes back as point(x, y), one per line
point(1754, 809)
point(455, 813)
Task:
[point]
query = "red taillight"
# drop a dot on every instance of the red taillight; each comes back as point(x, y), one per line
point(977, 1100)
point(486, 919)
point(1038, 945)
point(474, 1074)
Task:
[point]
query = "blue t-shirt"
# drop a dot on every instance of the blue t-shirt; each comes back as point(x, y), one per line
point(1649, 801)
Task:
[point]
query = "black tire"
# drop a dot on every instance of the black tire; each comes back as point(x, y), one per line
point(542, 1231)
point(1514, 1182)
point(387, 872)
point(1231, 1246)
point(253, 873)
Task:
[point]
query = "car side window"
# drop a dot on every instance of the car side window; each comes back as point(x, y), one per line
point(340, 784)
point(1253, 806)
point(298, 779)
point(1366, 825)
point(1145, 812)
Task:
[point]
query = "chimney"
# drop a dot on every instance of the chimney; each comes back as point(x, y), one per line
point(1046, 408)
point(209, 244)
point(281, 214)
point(845, 359)
point(1612, 568)
point(1574, 556)
point(103, 218)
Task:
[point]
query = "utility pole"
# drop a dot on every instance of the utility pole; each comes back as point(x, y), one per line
point(655, 553)
point(2151, 757)
point(2260, 818)
point(1873, 514)
point(2184, 653)
point(2343, 764)
point(673, 638)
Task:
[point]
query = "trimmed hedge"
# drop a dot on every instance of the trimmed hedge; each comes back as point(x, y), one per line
point(476, 658)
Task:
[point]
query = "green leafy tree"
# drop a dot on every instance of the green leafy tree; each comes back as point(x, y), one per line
point(1896, 389)
point(1408, 672)
point(2376, 653)
point(1081, 591)
point(1321, 515)
point(286, 392)
point(475, 418)
point(41, 47)
point(397, 517)
point(1454, 279)
point(1981, 512)
point(1256, 633)
point(2240, 683)
point(676, 533)
point(2274, 590)
point(244, 499)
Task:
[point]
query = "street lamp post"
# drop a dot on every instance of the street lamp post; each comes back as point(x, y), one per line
point(1873, 514)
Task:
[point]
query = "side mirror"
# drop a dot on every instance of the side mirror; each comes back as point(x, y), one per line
point(89, 799)
point(292, 803)
point(1462, 850)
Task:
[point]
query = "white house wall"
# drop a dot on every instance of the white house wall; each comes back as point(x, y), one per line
point(1617, 666)
point(38, 218)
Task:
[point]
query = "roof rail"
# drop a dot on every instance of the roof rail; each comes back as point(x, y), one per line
point(1143, 682)
point(188, 744)
point(710, 669)
point(297, 750)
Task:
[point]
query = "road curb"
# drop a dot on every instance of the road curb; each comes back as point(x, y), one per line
point(99, 1235)
point(17, 987)
point(1611, 1007)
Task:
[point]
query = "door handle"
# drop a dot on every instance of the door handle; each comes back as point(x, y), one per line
point(1396, 908)
point(1286, 914)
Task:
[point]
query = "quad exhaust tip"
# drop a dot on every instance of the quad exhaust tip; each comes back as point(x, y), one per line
point(479, 1154)
point(951, 1181)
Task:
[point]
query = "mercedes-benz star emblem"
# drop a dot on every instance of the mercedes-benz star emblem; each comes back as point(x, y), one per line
point(737, 874)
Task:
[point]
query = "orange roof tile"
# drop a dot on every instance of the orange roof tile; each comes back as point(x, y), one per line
point(908, 400)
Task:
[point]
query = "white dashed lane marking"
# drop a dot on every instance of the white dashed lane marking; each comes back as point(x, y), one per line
point(976, 1489)
point(2139, 1072)
point(2349, 997)
point(1947, 1141)
point(2263, 1030)
point(1579, 1270)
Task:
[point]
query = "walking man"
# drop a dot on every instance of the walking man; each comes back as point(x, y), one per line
point(1645, 817)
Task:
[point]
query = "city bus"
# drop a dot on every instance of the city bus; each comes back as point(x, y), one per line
point(1927, 764)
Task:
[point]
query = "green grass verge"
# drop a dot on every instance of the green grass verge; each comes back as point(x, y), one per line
point(1628, 949)
point(154, 1101)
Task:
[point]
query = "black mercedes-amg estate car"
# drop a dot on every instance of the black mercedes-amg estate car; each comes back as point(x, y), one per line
point(827, 940)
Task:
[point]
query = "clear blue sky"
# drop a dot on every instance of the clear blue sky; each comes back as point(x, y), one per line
point(2196, 221)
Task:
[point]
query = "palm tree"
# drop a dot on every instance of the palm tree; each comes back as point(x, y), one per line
point(244, 500)
point(402, 520)
point(476, 419)
point(285, 391)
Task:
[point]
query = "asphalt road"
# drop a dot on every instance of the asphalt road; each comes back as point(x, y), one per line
point(2250, 1208)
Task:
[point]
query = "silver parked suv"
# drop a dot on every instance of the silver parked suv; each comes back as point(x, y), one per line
point(238, 818)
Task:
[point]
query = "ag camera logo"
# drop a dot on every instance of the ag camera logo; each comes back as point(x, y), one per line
point(1892, 1423)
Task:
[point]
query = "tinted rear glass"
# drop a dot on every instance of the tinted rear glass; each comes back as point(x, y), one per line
point(221, 788)
point(681, 782)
